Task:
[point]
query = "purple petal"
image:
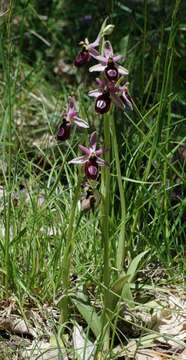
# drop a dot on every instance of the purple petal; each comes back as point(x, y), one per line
point(99, 151)
point(111, 72)
point(100, 161)
point(93, 52)
point(78, 160)
point(101, 59)
point(95, 43)
point(95, 93)
point(98, 67)
point(108, 51)
point(85, 150)
point(117, 58)
point(71, 112)
point(101, 83)
point(127, 100)
point(93, 139)
point(80, 122)
point(122, 70)
point(117, 101)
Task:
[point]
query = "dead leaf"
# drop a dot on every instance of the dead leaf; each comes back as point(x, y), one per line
point(44, 351)
point(17, 325)
point(84, 348)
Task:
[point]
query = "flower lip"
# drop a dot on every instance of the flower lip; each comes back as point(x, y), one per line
point(64, 130)
point(103, 102)
point(91, 169)
point(82, 58)
point(111, 71)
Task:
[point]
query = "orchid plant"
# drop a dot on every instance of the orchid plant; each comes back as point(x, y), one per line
point(70, 117)
point(109, 91)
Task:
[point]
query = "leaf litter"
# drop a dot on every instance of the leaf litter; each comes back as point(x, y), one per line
point(32, 335)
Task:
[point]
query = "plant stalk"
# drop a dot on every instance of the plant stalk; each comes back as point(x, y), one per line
point(105, 233)
point(120, 255)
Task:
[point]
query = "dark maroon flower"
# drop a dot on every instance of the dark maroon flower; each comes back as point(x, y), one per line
point(64, 130)
point(70, 117)
point(109, 91)
point(108, 63)
point(87, 52)
point(103, 102)
point(82, 58)
point(91, 159)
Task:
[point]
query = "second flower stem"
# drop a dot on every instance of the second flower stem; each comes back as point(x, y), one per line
point(105, 230)
point(120, 255)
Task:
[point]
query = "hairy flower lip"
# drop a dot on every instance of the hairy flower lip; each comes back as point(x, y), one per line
point(64, 131)
point(103, 103)
point(111, 72)
point(91, 169)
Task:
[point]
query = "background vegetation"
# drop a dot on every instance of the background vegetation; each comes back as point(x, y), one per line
point(38, 44)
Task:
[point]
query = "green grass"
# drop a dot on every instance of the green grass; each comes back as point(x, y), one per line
point(147, 169)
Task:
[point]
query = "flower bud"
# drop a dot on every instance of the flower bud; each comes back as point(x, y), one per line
point(107, 30)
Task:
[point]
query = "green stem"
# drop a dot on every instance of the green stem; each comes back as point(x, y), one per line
point(70, 241)
point(120, 255)
point(105, 232)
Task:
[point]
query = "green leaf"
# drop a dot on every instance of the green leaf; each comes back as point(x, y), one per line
point(134, 265)
point(117, 286)
point(90, 316)
point(18, 237)
point(116, 290)
point(127, 295)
